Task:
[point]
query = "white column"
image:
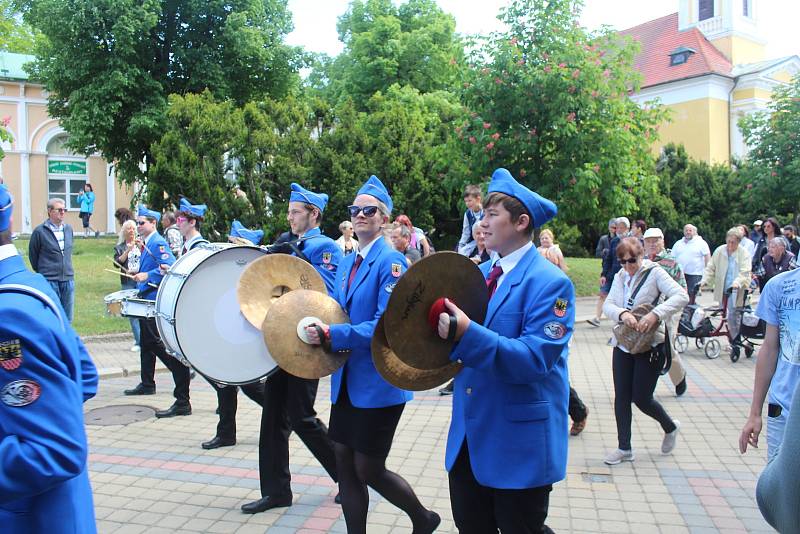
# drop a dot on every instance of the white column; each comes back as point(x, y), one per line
point(111, 198)
point(23, 146)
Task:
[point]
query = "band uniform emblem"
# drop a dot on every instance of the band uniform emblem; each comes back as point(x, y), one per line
point(326, 257)
point(20, 393)
point(555, 330)
point(10, 354)
point(397, 270)
point(560, 308)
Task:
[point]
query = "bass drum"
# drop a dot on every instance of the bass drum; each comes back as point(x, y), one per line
point(198, 316)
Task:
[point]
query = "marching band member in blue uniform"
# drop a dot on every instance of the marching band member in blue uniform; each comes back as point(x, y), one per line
point(45, 376)
point(238, 231)
point(155, 253)
point(507, 444)
point(366, 409)
point(289, 400)
point(189, 219)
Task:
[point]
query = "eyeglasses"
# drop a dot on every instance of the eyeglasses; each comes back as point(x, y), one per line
point(180, 220)
point(141, 223)
point(369, 211)
point(59, 210)
point(628, 260)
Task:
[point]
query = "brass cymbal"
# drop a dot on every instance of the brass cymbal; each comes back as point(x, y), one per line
point(402, 375)
point(267, 278)
point(444, 274)
point(282, 335)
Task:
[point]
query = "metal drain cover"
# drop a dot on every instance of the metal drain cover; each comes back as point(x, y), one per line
point(121, 414)
point(596, 477)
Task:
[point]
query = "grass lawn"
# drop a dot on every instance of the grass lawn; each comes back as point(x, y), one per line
point(92, 283)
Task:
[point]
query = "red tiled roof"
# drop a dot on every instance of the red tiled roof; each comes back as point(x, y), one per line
point(659, 37)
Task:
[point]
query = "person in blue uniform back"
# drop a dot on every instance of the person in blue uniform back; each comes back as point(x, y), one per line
point(366, 408)
point(507, 443)
point(156, 257)
point(45, 376)
point(289, 400)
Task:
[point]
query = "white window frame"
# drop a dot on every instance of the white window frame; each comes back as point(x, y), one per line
point(69, 179)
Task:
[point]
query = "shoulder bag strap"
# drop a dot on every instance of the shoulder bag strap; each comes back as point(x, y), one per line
point(629, 304)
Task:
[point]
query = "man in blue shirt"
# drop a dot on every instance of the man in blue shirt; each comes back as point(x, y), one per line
point(778, 364)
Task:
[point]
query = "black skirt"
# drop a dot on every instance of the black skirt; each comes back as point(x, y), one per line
point(369, 431)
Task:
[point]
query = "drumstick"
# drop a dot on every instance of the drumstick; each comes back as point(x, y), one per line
point(117, 263)
point(121, 274)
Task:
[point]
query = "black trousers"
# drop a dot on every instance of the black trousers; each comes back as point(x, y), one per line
point(228, 403)
point(482, 510)
point(634, 382)
point(151, 348)
point(289, 406)
point(577, 409)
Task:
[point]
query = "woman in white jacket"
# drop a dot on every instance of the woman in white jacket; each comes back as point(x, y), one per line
point(640, 281)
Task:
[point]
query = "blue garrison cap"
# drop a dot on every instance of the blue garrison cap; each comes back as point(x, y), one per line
point(6, 203)
point(144, 212)
point(301, 194)
point(540, 209)
point(196, 210)
point(238, 230)
point(375, 188)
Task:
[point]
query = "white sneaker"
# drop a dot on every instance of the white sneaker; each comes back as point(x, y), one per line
point(619, 456)
point(135, 348)
point(594, 321)
point(670, 438)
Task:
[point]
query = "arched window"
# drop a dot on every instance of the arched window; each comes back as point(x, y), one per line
point(66, 172)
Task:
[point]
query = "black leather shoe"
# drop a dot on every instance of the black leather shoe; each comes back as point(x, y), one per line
point(141, 389)
point(338, 498)
point(267, 503)
point(680, 389)
point(175, 409)
point(216, 442)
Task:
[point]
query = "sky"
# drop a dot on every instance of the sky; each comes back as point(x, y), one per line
point(315, 20)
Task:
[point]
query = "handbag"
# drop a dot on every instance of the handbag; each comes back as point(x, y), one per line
point(661, 354)
point(636, 342)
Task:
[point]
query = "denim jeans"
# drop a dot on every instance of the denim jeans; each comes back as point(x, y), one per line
point(135, 328)
point(775, 429)
point(65, 291)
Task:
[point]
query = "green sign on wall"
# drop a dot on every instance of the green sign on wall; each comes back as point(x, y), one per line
point(66, 167)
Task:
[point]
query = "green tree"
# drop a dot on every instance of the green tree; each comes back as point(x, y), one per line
point(414, 44)
point(111, 64)
point(549, 101)
point(772, 167)
point(15, 34)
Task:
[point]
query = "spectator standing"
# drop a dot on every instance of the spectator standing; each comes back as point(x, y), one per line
point(50, 253)
point(638, 229)
point(776, 261)
point(729, 269)
point(418, 239)
point(778, 363)
point(127, 257)
point(122, 215)
point(602, 250)
point(790, 233)
point(473, 214)
point(769, 231)
point(611, 265)
point(172, 233)
point(401, 241)
point(654, 251)
point(640, 282)
point(86, 200)
point(755, 234)
point(748, 244)
point(346, 241)
point(693, 254)
point(550, 250)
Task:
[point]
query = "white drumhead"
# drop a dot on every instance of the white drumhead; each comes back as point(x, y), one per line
point(212, 333)
point(118, 296)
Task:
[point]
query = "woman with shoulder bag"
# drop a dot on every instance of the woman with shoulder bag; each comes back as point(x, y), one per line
point(638, 287)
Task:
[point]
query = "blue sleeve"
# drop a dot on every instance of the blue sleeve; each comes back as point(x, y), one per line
point(163, 255)
point(327, 268)
point(42, 437)
point(531, 356)
point(359, 336)
point(768, 304)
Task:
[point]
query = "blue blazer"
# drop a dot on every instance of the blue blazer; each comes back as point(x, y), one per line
point(44, 482)
point(156, 252)
point(365, 302)
point(324, 255)
point(510, 400)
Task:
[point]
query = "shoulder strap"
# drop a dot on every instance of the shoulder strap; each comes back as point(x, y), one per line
point(33, 292)
point(629, 304)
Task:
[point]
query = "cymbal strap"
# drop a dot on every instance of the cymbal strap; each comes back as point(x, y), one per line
point(326, 344)
point(451, 332)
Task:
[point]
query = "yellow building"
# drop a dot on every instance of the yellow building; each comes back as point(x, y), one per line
point(37, 166)
point(707, 64)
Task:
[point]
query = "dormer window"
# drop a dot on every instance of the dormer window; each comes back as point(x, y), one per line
point(705, 9)
point(679, 56)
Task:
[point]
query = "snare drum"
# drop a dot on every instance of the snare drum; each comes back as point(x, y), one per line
point(198, 317)
point(142, 308)
point(114, 301)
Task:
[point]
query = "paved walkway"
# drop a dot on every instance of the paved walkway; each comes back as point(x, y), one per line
point(152, 476)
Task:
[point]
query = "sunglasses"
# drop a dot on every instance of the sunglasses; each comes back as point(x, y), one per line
point(629, 260)
point(368, 211)
point(141, 223)
point(59, 210)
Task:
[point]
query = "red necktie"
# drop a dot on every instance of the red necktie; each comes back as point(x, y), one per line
point(359, 259)
point(494, 276)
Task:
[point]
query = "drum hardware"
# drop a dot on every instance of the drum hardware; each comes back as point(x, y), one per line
point(265, 280)
point(114, 301)
point(406, 348)
point(241, 262)
point(291, 349)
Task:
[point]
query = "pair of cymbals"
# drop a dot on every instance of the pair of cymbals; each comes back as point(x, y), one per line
point(407, 351)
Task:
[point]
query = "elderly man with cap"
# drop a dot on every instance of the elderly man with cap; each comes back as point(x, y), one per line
point(45, 376)
point(656, 252)
point(507, 443)
point(289, 400)
point(366, 408)
point(155, 253)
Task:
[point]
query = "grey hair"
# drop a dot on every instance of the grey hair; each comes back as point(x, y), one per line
point(612, 221)
point(476, 226)
point(780, 240)
point(693, 227)
point(405, 231)
point(343, 225)
point(735, 232)
point(51, 203)
point(623, 220)
point(122, 230)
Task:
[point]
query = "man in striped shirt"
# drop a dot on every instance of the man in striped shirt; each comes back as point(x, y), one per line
point(50, 253)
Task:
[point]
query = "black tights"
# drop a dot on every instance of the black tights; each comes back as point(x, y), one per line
point(356, 472)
